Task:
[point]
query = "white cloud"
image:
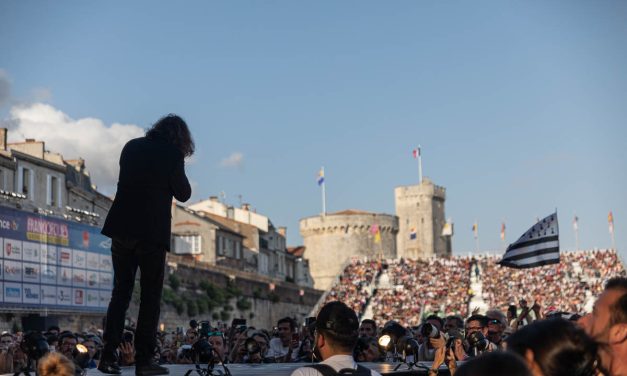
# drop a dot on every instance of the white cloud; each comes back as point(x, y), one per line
point(234, 160)
point(88, 138)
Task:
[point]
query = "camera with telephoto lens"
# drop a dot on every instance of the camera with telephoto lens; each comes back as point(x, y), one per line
point(453, 334)
point(205, 329)
point(202, 351)
point(407, 346)
point(478, 343)
point(429, 331)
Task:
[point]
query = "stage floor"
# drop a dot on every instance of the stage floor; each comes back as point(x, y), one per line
point(275, 369)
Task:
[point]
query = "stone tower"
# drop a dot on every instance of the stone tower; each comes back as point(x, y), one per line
point(333, 239)
point(420, 211)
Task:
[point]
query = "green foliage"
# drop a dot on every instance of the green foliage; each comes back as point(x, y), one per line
point(174, 281)
point(251, 315)
point(256, 293)
point(192, 308)
point(243, 304)
point(201, 303)
point(232, 291)
point(227, 308)
point(179, 305)
point(273, 297)
point(224, 316)
point(215, 316)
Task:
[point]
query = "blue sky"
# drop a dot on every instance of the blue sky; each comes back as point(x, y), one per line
point(520, 107)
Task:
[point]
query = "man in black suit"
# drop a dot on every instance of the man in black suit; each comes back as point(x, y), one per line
point(152, 172)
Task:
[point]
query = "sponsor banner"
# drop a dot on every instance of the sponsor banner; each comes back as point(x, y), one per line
point(105, 280)
point(64, 296)
point(12, 249)
point(65, 257)
point(79, 277)
point(52, 263)
point(48, 295)
point(25, 226)
point(12, 292)
point(105, 298)
point(45, 230)
point(105, 263)
point(79, 297)
point(92, 261)
point(48, 254)
point(30, 272)
point(49, 274)
point(31, 251)
point(31, 294)
point(12, 270)
point(92, 279)
point(92, 298)
point(64, 276)
point(78, 259)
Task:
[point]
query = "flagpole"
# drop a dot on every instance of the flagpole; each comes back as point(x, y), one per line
point(324, 195)
point(419, 165)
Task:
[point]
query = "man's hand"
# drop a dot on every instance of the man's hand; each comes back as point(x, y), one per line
point(460, 353)
point(127, 353)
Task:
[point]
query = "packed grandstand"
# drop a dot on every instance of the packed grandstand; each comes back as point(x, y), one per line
point(407, 290)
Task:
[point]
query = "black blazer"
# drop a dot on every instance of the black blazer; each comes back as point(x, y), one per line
point(152, 171)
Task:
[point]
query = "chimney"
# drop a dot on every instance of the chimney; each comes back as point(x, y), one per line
point(282, 231)
point(246, 207)
point(213, 198)
point(3, 139)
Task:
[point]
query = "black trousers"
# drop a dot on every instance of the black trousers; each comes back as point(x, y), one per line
point(128, 255)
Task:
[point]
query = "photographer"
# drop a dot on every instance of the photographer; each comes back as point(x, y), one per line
point(284, 348)
point(368, 328)
point(368, 350)
point(434, 339)
point(254, 349)
point(496, 327)
point(336, 333)
point(7, 351)
point(67, 343)
point(476, 337)
point(217, 342)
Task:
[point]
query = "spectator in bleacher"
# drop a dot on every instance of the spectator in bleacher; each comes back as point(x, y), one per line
point(607, 324)
point(555, 347)
point(284, 349)
point(368, 328)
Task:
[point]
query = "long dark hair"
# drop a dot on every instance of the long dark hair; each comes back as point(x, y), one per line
point(559, 347)
point(173, 129)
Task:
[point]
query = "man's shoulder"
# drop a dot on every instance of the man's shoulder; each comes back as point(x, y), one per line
point(312, 371)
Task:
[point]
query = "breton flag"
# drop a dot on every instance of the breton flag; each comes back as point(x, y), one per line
point(610, 222)
point(538, 246)
point(475, 229)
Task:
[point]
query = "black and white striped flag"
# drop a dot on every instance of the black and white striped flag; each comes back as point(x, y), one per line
point(538, 246)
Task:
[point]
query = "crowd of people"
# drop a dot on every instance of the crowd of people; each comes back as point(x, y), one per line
point(354, 285)
point(424, 300)
point(420, 287)
point(566, 286)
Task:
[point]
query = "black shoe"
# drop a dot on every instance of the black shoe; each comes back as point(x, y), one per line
point(150, 369)
point(109, 366)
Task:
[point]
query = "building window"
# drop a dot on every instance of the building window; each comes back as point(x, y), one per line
point(26, 182)
point(187, 244)
point(53, 191)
